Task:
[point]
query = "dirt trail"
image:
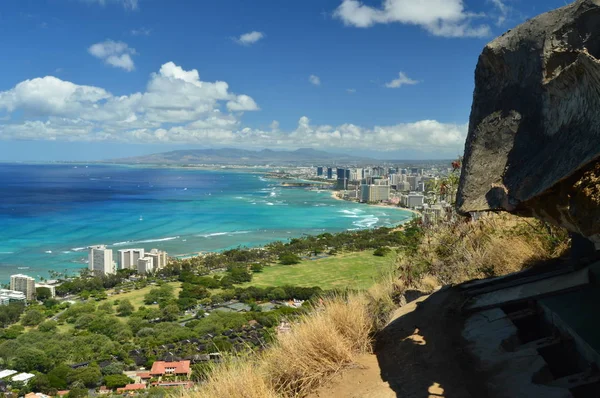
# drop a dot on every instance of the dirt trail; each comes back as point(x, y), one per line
point(418, 355)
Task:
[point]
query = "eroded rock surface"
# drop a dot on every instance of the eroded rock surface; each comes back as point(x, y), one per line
point(533, 146)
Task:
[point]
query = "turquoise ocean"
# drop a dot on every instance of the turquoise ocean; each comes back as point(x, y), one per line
point(50, 213)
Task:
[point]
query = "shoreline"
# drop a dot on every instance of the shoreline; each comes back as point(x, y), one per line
point(415, 212)
point(64, 257)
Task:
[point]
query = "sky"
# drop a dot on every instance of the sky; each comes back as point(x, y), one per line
point(102, 79)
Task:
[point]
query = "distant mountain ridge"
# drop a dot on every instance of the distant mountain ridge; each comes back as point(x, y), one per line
point(244, 156)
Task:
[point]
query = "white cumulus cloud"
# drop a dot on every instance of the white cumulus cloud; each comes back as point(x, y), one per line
point(401, 81)
point(114, 53)
point(242, 103)
point(316, 80)
point(447, 18)
point(250, 38)
point(178, 107)
point(173, 96)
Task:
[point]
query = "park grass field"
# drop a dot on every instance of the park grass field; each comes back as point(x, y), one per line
point(351, 270)
point(136, 297)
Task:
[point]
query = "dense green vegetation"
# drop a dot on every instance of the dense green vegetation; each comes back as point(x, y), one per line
point(122, 323)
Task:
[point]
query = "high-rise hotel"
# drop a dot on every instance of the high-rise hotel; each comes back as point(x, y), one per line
point(100, 260)
point(128, 258)
point(23, 283)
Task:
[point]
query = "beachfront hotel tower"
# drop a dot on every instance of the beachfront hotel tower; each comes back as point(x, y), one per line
point(159, 258)
point(24, 284)
point(100, 260)
point(145, 265)
point(128, 258)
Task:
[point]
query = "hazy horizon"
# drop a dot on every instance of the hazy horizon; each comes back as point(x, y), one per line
point(80, 149)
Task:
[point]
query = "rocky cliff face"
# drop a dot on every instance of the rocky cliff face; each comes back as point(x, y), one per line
point(533, 146)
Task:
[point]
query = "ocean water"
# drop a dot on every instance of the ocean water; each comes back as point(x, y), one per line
point(50, 213)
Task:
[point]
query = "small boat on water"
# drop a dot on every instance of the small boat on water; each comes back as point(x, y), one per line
point(141, 218)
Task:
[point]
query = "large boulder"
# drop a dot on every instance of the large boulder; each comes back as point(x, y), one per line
point(534, 133)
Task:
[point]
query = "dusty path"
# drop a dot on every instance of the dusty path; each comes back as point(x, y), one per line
point(418, 355)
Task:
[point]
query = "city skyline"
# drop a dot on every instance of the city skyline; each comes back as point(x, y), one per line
point(247, 76)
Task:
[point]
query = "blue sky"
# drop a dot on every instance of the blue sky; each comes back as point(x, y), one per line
point(91, 79)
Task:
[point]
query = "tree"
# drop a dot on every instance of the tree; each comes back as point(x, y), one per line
point(170, 313)
point(145, 332)
point(381, 251)
point(116, 381)
point(48, 326)
point(277, 294)
point(28, 359)
point(115, 368)
point(156, 295)
point(77, 392)
point(43, 293)
point(51, 302)
point(41, 383)
point(125, 308)
point(12, 332)
point(32, 318)
point(289, 259)
point(106, 307)
point(89, 376)
point(58, 376)
point(256, 267)
point(10, 313)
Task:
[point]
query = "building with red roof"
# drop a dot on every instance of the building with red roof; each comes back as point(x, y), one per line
point(132, 387)
point(177, 369)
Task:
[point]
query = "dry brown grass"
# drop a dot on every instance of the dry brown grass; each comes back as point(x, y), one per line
point(496, 244)
point(319, 345)
point(235, 378)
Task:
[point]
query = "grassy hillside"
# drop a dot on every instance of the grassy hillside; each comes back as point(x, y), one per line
point(352, 270)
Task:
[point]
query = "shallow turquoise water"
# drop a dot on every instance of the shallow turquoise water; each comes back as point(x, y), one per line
point(50, 213)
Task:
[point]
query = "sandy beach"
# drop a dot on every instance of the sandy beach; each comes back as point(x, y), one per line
point(334, 195)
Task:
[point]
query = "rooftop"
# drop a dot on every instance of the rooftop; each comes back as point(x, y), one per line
point(23, 377)
point(181, 367)
point(6, 373)
point(132, 387)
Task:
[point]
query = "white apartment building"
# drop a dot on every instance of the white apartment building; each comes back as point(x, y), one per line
point(145, 265)
point(100, 260)
point(23, 283)
point(159, 258)
point(128, 258)
point(412, 200)
point(374, 193)
point(10, 296)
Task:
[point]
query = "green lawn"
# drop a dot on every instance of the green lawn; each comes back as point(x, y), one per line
point(136, 297)
point(353, 270)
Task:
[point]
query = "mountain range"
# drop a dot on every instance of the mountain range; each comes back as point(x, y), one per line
point(233, 156)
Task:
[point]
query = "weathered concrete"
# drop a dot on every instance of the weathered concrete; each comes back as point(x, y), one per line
point(527, 291)
point(510, 373)
point(534, 134)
